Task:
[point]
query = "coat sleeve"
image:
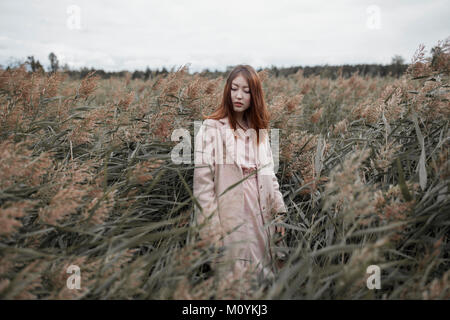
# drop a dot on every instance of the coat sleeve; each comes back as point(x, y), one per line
point(207, 215)
point(278, 206)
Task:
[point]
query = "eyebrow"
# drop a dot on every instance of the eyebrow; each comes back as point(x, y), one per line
point(238, 85)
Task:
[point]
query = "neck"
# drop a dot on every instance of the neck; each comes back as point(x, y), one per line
point(240, 118)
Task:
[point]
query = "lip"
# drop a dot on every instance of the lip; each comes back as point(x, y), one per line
point(238, 104)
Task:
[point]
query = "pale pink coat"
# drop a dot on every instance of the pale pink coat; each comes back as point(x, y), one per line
point(222, 210)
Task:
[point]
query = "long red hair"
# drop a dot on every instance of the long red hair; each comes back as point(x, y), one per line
point(257, 113)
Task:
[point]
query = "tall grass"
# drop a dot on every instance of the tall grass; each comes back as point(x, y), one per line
point(86, 179)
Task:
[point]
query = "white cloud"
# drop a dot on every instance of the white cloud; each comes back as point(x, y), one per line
point(117, 35)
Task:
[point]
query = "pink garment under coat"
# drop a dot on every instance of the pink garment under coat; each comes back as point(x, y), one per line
point(249, 244)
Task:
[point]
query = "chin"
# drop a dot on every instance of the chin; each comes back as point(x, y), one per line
point(239, 109)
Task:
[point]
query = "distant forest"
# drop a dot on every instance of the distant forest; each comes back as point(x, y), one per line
point(395, 69)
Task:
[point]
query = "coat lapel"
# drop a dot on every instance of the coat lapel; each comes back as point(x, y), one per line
point(227, 132)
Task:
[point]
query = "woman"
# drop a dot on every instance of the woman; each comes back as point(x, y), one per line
point(234, 181)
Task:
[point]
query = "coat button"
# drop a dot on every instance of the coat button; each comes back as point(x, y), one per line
point(260, 186)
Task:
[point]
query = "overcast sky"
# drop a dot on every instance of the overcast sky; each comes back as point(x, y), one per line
point(134, 34)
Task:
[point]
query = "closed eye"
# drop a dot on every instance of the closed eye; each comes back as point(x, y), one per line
point(234, 89)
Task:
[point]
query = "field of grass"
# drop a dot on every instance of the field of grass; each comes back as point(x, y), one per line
point(86, 179)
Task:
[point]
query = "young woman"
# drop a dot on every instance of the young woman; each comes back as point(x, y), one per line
point(234, 181)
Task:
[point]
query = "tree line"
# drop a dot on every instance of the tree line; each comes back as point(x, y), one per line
point(395, 69)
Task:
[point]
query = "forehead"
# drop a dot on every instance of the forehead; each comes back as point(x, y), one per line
point(240, 81)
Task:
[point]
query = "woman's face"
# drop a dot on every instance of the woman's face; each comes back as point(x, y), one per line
point(240, 94)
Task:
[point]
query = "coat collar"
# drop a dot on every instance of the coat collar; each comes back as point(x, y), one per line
point(229, 137)
point(225, 120)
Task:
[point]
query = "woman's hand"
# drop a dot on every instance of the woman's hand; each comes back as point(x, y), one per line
point(280, 229)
